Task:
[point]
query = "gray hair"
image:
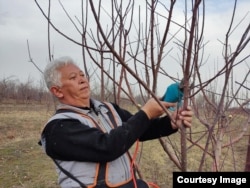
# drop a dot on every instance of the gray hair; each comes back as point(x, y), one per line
point(52, 75)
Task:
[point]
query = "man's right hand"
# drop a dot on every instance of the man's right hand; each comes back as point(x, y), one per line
point(153, 109)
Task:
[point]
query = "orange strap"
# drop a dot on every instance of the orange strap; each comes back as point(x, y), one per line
point(153, 185)
point(133, 162)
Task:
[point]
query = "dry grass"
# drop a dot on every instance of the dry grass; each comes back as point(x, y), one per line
point(23, 163)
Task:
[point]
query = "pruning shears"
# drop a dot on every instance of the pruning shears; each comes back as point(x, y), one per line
point(174, 94)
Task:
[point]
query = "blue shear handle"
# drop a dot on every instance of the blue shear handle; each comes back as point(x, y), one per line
point(173, 94)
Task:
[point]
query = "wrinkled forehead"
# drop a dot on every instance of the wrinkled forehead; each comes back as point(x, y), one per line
point(69, 69)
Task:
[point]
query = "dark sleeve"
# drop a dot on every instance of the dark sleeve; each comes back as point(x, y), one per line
point(124, 114)
point(68, 139)
point(158, 127)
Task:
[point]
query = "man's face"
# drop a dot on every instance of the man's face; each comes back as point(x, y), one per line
point(75, 86)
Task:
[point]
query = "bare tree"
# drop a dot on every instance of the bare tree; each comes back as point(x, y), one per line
point(129, 45)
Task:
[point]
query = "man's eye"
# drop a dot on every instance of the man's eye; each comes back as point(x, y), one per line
point(72, 78)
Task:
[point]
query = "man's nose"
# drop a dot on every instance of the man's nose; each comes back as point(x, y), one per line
point(81, 80)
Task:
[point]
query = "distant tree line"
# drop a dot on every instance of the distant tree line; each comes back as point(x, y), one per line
point(12, 90)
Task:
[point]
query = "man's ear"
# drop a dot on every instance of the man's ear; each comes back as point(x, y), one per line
point(55, 90)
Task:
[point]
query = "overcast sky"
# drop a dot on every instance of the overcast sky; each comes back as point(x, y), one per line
point(21, 20)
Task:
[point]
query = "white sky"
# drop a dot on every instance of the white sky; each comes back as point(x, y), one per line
point(21, 20)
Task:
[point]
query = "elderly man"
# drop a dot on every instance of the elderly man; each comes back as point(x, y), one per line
point(89, 140)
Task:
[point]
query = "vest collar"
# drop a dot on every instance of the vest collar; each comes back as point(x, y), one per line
point(95, 106)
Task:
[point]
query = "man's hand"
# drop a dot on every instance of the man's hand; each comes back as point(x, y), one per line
point(153, 109)
point(180, 116)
